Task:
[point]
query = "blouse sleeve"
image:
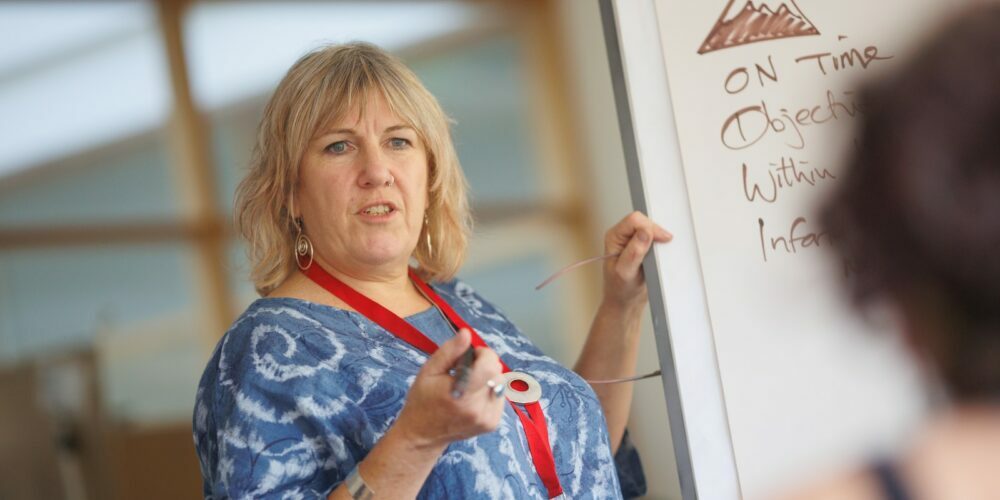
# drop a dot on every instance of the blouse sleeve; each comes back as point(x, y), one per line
point(286, 427)
point(629, 467)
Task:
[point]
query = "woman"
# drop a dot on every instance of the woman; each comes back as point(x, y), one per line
point(918, 215)
point(347, 375)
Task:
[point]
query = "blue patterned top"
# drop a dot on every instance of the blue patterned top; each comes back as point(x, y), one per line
point(297, 393)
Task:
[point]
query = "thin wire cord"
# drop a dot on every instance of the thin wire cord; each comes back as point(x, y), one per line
point(657, 373)
point(571, 267)
point(453, 372)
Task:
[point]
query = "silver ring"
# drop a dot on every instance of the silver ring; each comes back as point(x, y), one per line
point(392, 180)
point(496, 390)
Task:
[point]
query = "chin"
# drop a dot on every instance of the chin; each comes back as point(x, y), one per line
point(381, 253)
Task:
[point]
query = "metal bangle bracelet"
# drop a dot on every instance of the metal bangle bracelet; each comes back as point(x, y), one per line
point(356, 486)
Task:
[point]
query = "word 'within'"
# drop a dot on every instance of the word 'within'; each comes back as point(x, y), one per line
point(786, 174)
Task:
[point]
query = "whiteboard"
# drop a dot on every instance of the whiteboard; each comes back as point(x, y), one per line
point(736, 116)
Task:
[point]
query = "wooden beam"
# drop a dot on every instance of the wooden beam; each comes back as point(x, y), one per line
point(561, 153)
point(484, 29)
point(196, 178)
point(110, 234)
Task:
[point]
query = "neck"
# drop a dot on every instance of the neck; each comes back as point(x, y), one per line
point(955, 455)
point(376, 283)
point(391, 288)
point(977, 421)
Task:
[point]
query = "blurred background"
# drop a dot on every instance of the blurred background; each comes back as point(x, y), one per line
point(124, 128)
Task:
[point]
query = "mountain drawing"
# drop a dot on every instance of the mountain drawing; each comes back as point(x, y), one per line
point(757, 21)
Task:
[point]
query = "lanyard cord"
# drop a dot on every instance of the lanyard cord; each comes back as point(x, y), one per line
point(533, 423)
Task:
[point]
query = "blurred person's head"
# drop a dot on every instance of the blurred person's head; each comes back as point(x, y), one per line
point(917, 213)
point(328, 86)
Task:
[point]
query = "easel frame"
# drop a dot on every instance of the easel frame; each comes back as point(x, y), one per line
point(699, 425)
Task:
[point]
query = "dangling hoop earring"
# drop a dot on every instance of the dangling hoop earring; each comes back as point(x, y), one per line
point(427, 235)
point(303, 247)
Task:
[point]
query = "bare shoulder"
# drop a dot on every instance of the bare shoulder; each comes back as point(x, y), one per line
point(855, 485)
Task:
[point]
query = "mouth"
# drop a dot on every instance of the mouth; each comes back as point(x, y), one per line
point(378, 209)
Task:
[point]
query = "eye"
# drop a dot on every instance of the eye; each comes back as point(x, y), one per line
point(399, 143)
point(338, 147)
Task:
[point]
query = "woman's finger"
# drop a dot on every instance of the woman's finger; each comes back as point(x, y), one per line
point(628, 263)
point(661, 235)
point(448, 353)
point(619, 236)
point(486, 367)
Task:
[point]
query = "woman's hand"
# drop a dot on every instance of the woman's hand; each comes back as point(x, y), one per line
point(399, 463)
point(612, 346)
point(624, 284)
point(432, 417)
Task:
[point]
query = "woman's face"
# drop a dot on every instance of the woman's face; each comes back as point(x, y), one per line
point(362, 191)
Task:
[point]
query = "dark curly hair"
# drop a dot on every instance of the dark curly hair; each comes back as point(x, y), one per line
point(917, 211)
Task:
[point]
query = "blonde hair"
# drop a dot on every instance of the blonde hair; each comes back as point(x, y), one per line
point(321, 88)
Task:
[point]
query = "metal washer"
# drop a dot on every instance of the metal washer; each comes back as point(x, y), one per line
point(530, 395)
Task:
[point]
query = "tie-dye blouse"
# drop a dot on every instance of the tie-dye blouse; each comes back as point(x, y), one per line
point(297, 393)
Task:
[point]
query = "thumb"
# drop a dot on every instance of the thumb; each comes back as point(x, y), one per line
point(448, 354)
point(633, 254)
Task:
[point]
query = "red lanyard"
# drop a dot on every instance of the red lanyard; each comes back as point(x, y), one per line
point(535, 428)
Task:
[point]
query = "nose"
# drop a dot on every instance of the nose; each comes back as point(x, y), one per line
point(374, 170)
